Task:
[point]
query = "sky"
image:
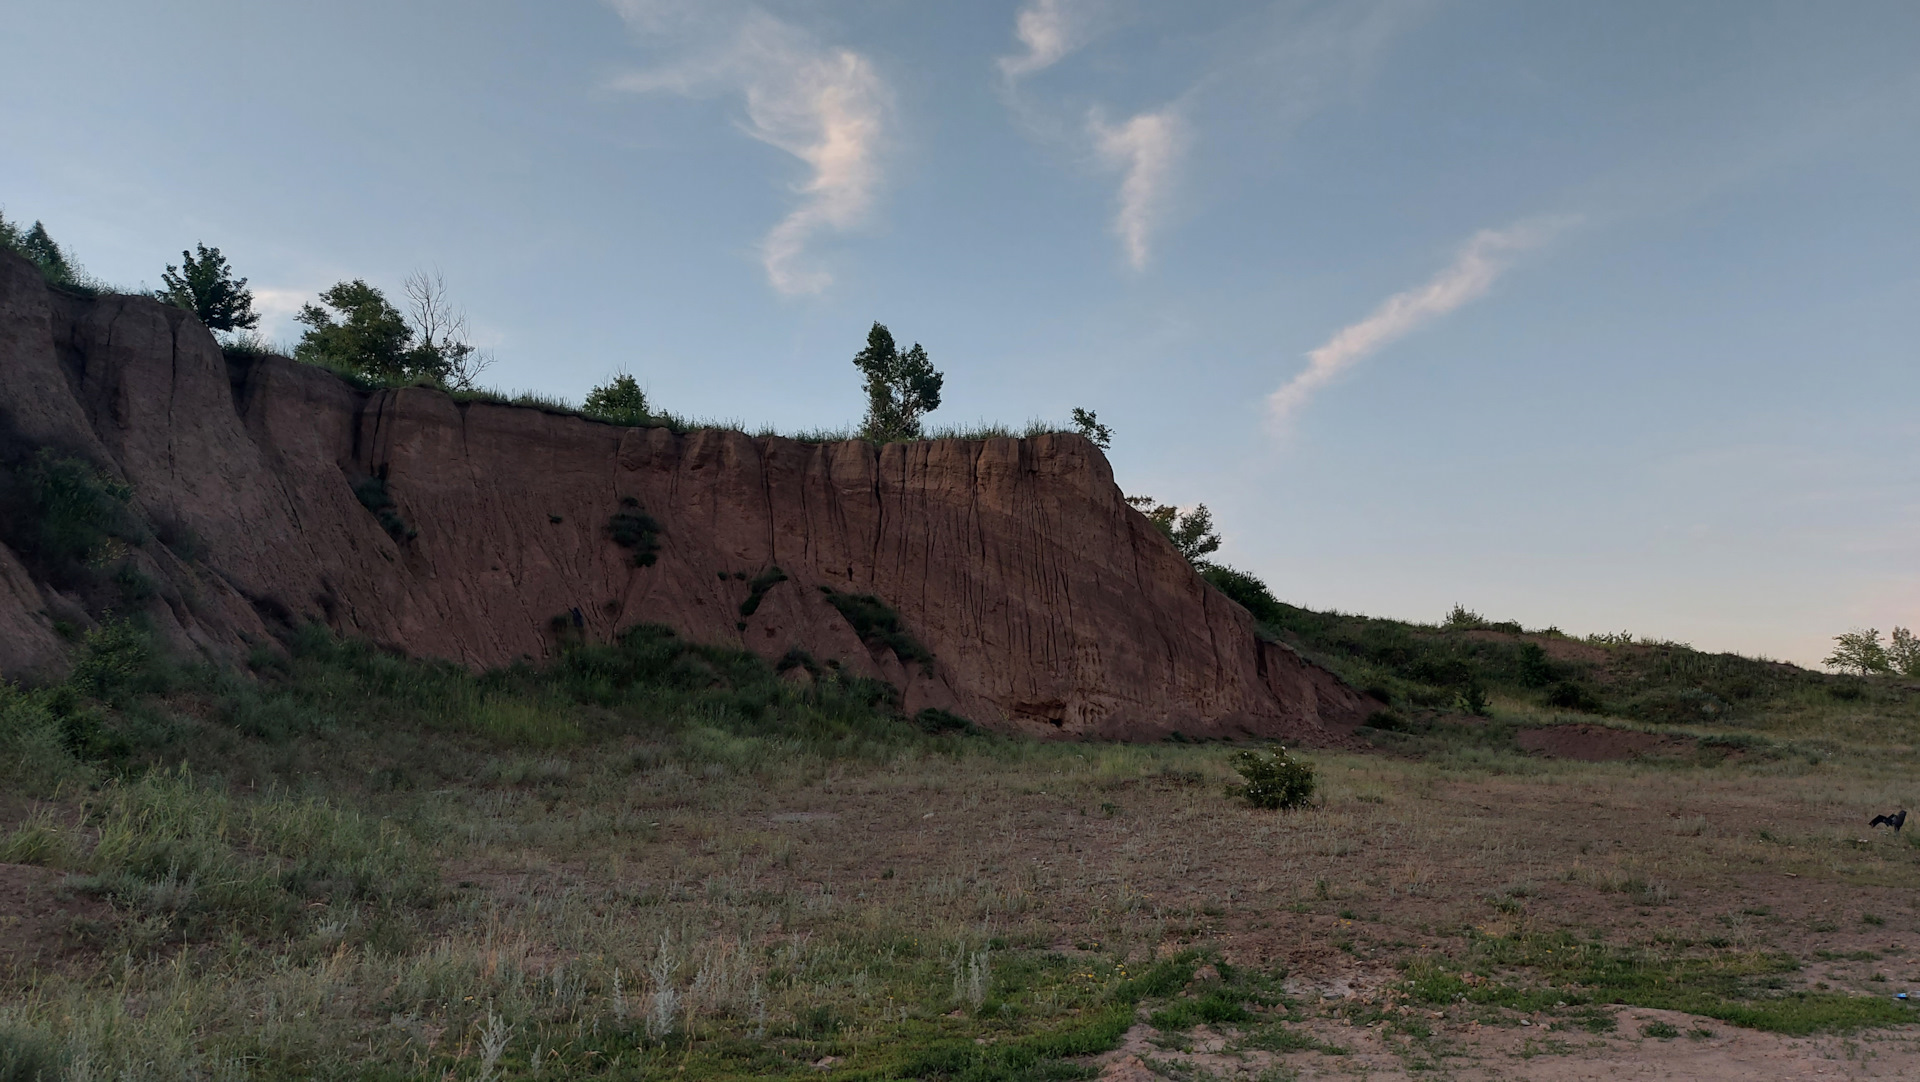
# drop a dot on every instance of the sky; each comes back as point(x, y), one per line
point(1597, 316)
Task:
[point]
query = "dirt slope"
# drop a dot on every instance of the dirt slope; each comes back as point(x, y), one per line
point(1047, 603)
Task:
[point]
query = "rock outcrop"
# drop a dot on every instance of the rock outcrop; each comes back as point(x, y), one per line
point(482, 533)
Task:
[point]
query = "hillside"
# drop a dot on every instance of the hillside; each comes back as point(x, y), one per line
point(232, 501)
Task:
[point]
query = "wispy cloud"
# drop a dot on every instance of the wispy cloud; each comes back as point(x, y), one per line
point(1048, 30)
point(1146, 149)
point(1468, 277)
point(825, 106)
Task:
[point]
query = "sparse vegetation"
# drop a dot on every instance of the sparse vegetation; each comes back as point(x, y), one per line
point(632, 528)
point(879, 626)
point(56, 265)
point(1087, 423)
point(373, 495)
point(757, 588)
point(429, 871)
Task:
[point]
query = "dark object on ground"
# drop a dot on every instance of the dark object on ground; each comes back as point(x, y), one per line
point(1896, 820)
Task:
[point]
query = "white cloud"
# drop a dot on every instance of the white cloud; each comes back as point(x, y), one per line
point(1146, 148)
point(825, 106)
point(277, 307)
point(1049, 30)
point(1471, 274)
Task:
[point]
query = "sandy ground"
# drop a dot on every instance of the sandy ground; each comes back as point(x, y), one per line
point(1706, 1050)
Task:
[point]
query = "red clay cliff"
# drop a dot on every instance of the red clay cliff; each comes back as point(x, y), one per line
point(1049, 606)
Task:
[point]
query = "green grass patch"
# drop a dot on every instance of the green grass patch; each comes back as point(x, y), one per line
point(1743, 988)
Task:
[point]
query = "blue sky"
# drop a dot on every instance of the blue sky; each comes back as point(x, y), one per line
point(1605, 316)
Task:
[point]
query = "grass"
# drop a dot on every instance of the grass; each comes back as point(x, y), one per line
point(654, 858)
point(1734, 986)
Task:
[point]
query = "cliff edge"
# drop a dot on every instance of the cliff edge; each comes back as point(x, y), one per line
point(1004, 580)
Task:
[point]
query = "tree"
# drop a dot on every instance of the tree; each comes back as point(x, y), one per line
point(1088, 424)
point(1191, 533)
point(442, 333)
point(1859, 652)
point(900, 387)
point(370, 338)
point(37, 245)
point(205, 286)
point(1904, 655)
point(619, 400)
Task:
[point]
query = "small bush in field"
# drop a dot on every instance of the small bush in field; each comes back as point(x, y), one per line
point(1275, 778)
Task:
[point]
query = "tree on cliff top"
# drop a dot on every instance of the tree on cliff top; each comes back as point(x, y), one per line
point(37, 245)
point(204, 285)
point(900, 387)
point(1191, 533)
point(370, 337)
point(619, 400)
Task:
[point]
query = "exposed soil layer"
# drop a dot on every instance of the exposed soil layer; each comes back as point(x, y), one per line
point(1028, 595)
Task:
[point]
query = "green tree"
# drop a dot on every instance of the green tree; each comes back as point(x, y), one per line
point(1859, 652)
point(204, 285)
point(1191, 533)
point(1904, 655)
point(619, 400)
point(900, 387)
point(37, 245)
point(1087, 423)
point(370, 337)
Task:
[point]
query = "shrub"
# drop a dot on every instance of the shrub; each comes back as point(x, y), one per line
point(618, 401)
point(1473, 699)
point(1191, 533)
point(1249, 591)
point(1274, 778)
point(374, 497)
point(56, 266)
point(632, 528)
point(1386, 720)
point(935, 720)
point(879, 626)
point(757, 589)
point(64, 515)
point(1087, 423)
point(1571, 696)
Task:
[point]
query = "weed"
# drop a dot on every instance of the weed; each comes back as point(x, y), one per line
point(373, 495)
point(1273, 779)
point(758, 587)
point(879, 626)
point(632, 528)
point(1659, 1030)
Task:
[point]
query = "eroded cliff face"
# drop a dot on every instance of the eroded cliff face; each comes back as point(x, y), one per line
point(1048, 605)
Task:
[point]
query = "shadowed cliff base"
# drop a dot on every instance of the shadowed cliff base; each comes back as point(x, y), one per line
point(1004, 581)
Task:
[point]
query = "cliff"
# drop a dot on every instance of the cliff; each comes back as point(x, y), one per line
point(1047, 604)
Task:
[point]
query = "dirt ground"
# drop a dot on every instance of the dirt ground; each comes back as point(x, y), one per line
point(1706, 1050)
point(1105, 852)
